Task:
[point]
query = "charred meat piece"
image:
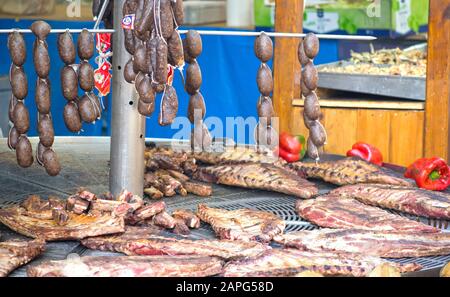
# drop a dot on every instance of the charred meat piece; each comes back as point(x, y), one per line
point(187, 216)
point(199, 189)
point(181, 228)
point(129, 266)
point(173, 183)
point(153, 193)
point(77, 204)
point(258, 176)
point(237, 155)
point(289, 262)
point(178, 175)
point(373, 243)
point(76, 227)
point(242, 224)
point(415, 201)
point(152, 180)
point(350, 171)
point(332, 211)
point(165, 220)
point(14, 254)
point(146, 212)
point(149, 241)
point(60, 216)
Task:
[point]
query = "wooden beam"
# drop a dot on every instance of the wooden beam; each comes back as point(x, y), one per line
point(366, 104)
point(437, 107)
point(287, 69)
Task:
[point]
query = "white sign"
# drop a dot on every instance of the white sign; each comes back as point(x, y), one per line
point(321, 22)
point(402, 17)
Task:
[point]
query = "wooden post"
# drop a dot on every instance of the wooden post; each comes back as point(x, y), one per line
point(437, 106)
point(287, 69)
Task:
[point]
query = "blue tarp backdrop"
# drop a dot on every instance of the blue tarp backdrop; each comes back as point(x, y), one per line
point(228, 67)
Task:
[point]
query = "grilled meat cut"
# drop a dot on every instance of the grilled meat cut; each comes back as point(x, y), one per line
point(258, 176)
point(150, 241)
point(14, 254)
point(351, 171)
point(373, 243)
point(76, 227)
point(237, 155)
point(415, 201)
point(290, 262)
point(130, 266)
point(166, 158)
point(198, 189)
point(332, 211)
point(242, 224)
point(190, 218)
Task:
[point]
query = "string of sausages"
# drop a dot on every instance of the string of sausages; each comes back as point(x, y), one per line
point(88, 105)
point(156, 49)
point(265, 134)
point(45, 155)
point(18, 112)
point(193, 47)
point(69, 82)
point(307, 51)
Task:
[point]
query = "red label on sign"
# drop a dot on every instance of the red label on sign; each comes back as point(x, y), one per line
point(103, 42)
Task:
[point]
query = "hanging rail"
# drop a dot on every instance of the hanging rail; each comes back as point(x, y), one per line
point(216, 32)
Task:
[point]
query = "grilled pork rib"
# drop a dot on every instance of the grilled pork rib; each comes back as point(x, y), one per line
point(76, 227)
point(332, 211)
point(149, 241)
point(237, 155)
point(373, 243)
point(130, 266)
point(350, 171)
point(289, 262)
point(419, 202)
point(258, 176)
point(14, 254)
point(242, 224)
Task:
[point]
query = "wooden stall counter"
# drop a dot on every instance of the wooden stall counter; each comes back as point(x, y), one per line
point(395, 126)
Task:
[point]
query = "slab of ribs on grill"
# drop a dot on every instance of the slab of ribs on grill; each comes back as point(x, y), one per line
point(333, 211)
point(374, 243)
point(50, 221)
point(242, 224)
point(350, 171)
point(430, 204)
point(15, 253)
point(130, 266)
point(149, 241)
point(258, 176)
point(289, 262)
point(237, 155)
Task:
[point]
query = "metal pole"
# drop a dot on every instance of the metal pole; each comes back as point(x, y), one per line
point(128, 126)
point(98, 18)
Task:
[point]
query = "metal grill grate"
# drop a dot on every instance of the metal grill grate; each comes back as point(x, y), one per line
point(85, 164)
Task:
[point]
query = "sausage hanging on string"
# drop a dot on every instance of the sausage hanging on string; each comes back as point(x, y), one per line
point(18, 113)
point(265, 135)
point(307, 51)
point(43, 101)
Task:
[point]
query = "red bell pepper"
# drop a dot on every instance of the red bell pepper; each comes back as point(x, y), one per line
point(290, 143)
point(367, 152)
point(287, 156)
point(430, 173)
